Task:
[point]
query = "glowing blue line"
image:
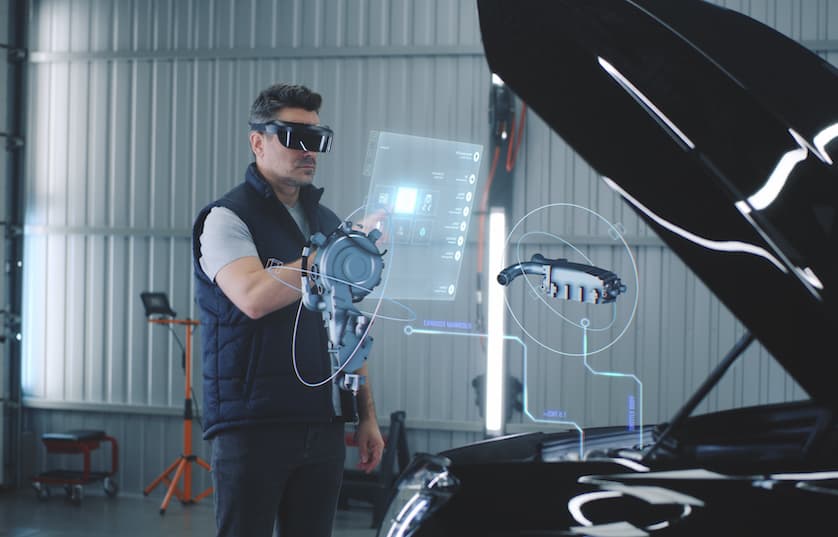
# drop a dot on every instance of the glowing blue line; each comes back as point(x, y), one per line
point(614, 374)
point(408, 330)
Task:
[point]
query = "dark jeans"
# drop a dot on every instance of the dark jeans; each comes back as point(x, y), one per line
point(287, 472)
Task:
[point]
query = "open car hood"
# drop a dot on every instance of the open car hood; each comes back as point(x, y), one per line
point(721, 133)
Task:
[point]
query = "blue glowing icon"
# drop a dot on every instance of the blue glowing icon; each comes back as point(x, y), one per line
point(405, 200)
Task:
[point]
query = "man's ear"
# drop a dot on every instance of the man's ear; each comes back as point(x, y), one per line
point(256, 143)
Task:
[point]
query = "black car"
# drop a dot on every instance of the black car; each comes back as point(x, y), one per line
point(722, 135)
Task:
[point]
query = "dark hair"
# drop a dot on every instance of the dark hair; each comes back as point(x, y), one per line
point(273, 99)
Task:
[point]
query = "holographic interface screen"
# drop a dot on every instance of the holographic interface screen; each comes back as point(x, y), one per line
point(427, 186)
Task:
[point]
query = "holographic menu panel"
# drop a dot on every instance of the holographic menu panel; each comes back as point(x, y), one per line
point(428, 188)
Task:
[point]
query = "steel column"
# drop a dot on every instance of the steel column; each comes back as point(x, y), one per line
point(13, 141)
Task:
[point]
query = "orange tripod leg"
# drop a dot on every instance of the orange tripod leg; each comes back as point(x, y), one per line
point(161, 477)
point(203, 464)
point(182, 464)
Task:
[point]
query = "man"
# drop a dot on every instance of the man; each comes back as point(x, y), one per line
point(278, 451)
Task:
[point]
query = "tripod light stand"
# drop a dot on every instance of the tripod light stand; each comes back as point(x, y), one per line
point(158, 311)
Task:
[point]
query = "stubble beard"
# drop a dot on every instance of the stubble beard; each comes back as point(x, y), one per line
point(299, 180)
point(297, 177)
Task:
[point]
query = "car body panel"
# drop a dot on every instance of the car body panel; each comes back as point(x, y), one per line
point(737, 472)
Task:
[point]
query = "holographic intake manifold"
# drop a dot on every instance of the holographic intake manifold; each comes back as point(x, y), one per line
point(569, 281)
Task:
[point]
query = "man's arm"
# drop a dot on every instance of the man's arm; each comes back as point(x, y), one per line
point(255, 292)
point(229, 258)
point(368, 436)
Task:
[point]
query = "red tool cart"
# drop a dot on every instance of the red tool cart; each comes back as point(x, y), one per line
point(73, 481)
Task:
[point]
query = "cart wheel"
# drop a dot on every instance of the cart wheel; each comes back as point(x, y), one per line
point(77, 494)
point(110, 487)
point(41, 491)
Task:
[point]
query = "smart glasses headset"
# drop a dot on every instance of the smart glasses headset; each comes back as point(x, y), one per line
point(301, 136)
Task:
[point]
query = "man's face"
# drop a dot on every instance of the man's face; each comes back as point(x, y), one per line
point(283, 167)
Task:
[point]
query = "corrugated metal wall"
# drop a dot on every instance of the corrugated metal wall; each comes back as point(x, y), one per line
point(139, 110)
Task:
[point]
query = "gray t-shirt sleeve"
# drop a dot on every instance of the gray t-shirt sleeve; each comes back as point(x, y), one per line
point(224, 239)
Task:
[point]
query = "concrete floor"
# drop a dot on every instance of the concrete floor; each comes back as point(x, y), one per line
point(23, 515)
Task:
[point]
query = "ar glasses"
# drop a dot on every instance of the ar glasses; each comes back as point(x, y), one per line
point(300, 136)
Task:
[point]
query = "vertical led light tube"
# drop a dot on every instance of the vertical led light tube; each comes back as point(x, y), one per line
point(495, 324)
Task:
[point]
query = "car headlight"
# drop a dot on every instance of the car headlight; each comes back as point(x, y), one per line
point(423, 488)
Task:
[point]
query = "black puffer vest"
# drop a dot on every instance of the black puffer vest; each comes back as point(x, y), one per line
point(248, 372)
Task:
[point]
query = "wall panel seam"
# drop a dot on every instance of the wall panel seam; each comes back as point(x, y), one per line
point(263, 53)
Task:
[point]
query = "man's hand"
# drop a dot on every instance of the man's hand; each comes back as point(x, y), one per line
point(375, 220)
point(370, 444)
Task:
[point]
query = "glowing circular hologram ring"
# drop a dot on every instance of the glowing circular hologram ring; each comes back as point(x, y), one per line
point(356, 211)
point(614, 232)
point(275, 264)
point(617, 231)
point(540, 296)
point(343, 366)
point(408, 330)
point(411, 313)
